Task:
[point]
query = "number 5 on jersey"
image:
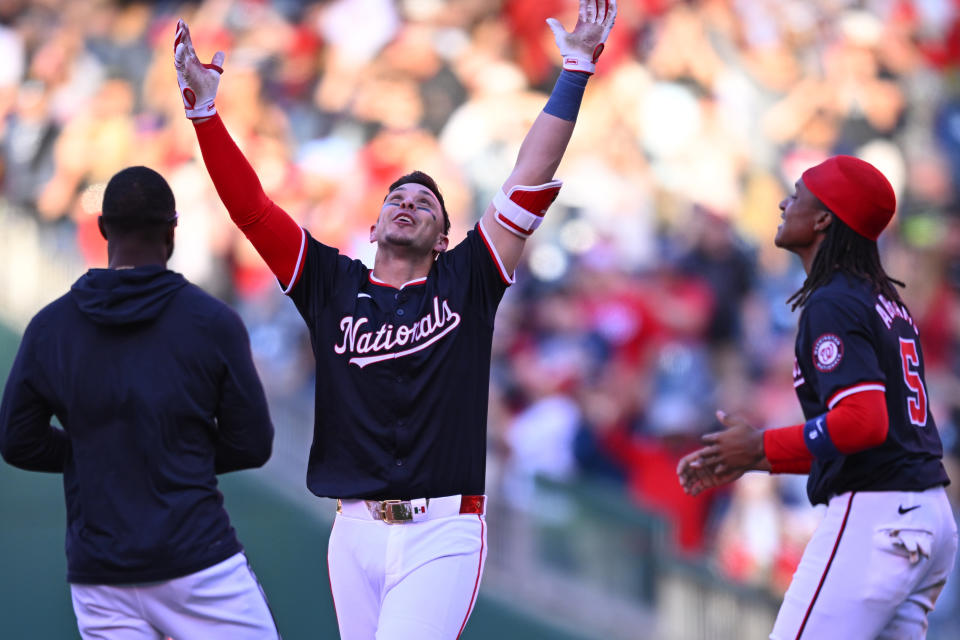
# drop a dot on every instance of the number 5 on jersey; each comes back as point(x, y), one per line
point(916, 403)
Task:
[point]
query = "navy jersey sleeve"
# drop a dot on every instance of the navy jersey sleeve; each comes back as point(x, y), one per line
point(244, 431)
point(324, 270)
point(838, 348)
point(475, 262)
point(27, 439)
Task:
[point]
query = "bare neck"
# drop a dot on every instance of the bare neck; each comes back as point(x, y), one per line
point(808, 254)
point(396, 269)
point(124, 257)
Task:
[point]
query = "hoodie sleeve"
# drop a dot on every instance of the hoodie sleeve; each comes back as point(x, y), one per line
point(27, 439)
point(245, 433)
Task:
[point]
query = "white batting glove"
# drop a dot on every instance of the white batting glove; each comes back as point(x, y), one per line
point(198, 81)
point(581, 48)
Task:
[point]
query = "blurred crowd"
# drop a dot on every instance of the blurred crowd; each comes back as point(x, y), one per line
point(650, 297)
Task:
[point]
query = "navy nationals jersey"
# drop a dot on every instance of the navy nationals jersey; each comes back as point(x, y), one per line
point(402, 374)
point(852, 339)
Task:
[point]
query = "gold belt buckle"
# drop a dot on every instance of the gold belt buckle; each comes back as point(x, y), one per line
point(396, 511)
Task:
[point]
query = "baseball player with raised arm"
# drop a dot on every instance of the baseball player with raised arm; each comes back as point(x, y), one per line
point(402, 354)
point(880, 557)
point(154, 384)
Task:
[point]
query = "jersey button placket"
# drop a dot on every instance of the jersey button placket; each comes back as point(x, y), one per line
point(398, 312)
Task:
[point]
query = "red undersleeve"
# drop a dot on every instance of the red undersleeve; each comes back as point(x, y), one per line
point(785, 450)
point(274, 234)
point(792, 466)
point(858, 422)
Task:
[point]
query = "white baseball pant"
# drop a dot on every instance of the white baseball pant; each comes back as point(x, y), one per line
point(412, 580)
point(222, 602)
point(873, 568)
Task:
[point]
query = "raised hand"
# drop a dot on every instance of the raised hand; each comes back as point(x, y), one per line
point(581, 48)
point(198, 81)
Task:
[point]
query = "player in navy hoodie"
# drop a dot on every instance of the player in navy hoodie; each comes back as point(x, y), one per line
point(153, 383)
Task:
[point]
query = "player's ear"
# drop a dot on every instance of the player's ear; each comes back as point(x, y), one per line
point(373, 233)
point(170, 241)
point(103, 232)
point(441, 244)
point(823, 220)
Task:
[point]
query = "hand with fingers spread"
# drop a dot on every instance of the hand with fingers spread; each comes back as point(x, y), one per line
point(198, 81)
point(581, 47)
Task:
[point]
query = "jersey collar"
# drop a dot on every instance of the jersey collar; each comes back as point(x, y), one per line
point(377, 281)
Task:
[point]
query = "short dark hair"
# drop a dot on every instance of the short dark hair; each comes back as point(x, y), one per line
point(421, 178)
point(138, 197)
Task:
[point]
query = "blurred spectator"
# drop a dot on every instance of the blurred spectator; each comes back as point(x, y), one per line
point(720, 258)
point(671, 430)
point(28, 140)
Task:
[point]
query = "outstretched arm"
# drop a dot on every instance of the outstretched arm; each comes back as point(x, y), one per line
point(856, 422)
point(276, 236)
point(518, 210)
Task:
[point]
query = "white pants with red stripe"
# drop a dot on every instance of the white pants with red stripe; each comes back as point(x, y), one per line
point(873, 569)
point(222, 602)
point(415, 580)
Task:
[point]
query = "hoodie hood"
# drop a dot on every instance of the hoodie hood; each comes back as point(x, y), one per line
point(125, 296)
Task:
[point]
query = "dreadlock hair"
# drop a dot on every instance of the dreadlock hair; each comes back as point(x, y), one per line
point(846, 251)
point(423, 179)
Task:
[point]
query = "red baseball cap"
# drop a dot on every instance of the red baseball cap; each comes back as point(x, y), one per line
point(855, 191)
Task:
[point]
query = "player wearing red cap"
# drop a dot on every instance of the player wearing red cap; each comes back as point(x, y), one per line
point(880, 557)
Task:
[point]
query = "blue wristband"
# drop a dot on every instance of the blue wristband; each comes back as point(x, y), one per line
point(564, 101)
point(817, 439)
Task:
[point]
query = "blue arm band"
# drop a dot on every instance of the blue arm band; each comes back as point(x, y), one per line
point(564, 101)
point(817, 439)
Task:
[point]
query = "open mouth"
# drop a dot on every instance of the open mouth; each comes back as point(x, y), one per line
point(403, 219)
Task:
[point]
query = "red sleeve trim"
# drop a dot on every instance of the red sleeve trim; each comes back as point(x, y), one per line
point(507, 278)
point(849, 391)
point(298, 267)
